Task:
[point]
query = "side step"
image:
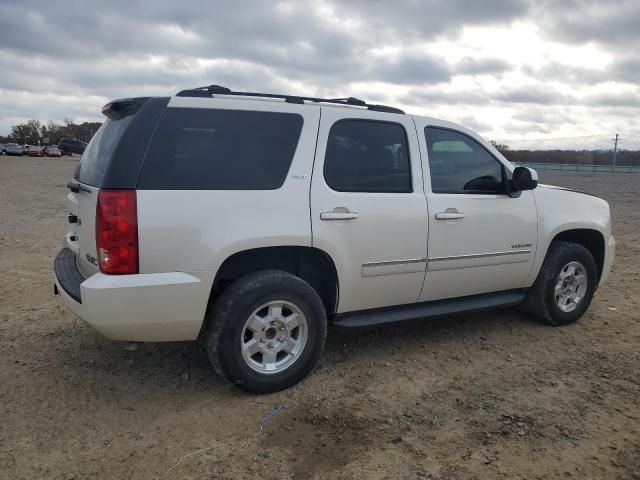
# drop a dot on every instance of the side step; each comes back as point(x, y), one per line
point(439, 308)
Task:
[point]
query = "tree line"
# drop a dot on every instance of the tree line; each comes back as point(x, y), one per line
point(570, 157)
point(34, 132)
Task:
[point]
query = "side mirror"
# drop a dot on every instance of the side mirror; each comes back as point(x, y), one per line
point(524, 178)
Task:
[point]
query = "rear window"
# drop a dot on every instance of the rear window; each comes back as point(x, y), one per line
point(221, 150)
point(96, 157)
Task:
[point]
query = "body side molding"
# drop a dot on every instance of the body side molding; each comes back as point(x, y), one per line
point(480, 255)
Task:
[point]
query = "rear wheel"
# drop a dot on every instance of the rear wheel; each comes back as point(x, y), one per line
point(266, 331)
point(565, 285)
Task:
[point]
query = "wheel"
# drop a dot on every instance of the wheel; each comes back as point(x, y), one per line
point(266, 331)
point(565, 285)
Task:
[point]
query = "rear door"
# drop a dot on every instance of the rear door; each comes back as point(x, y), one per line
point(221, 176)
point(368, 207)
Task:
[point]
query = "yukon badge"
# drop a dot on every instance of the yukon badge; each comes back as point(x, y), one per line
point(521, 245)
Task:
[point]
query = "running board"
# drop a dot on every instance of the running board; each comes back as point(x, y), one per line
point(438, 308)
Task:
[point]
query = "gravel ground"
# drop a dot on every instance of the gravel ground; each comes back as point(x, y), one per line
point(493, 395)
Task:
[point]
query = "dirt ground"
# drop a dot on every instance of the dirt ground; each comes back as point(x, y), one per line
point(492, 395)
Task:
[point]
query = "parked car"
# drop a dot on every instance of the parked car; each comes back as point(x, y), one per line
point(69, 146)
point(2, 148)
point(13, 149)
point(34, 151)
point(251, 223)
point(52, 151)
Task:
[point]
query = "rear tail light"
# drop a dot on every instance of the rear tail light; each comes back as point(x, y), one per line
point(117, 231)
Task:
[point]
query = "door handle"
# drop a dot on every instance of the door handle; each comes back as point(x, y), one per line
point(339, 213)
point(449, 215)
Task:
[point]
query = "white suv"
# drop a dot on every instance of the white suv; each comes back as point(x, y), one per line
point(251, 221)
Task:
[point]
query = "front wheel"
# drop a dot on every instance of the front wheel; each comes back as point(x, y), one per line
point(565, 285)
point(266, 331)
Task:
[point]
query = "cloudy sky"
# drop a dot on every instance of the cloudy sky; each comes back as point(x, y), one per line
point(510, 69)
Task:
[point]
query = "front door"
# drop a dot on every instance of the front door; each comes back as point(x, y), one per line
point(480, 239)
point(368, 208)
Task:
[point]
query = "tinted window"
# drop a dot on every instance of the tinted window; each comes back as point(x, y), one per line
point(221, 150)
point(459, 164)
point(97, 156)
point(367, 156)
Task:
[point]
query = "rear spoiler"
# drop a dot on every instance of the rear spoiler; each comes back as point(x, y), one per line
point(124, 107)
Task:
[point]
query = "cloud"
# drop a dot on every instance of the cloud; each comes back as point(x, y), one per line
point(410, 68)
point(614, 99)
point(434, 96)
point(532, 94)
point(479, 66)
point(527, 127)
point(592, 21)
point(624, 69)
point(546, 116)
point(489, 65)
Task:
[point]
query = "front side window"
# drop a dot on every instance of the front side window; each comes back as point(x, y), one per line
point(367, 156)
point(459, 164)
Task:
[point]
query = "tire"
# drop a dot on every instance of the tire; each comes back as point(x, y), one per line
point(229, 329)
point(542, 301)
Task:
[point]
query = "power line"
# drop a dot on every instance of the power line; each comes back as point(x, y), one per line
point(592, 142)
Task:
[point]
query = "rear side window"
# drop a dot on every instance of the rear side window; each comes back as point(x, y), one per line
point(221, 150)
point(367, 156)
point(97, 156)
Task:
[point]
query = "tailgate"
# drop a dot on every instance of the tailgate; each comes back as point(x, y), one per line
point(81, 238)
point(85, 186)
point(111, 160)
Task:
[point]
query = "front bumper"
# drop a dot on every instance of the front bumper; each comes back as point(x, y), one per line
point(609, 256)
point(152, 307)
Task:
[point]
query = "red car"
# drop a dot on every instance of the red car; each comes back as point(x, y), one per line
point(52, 151)
point(34, 151)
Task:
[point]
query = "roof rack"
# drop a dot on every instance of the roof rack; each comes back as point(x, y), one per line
point(212, 90)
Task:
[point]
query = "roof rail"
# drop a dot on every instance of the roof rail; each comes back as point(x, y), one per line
point(213, 90)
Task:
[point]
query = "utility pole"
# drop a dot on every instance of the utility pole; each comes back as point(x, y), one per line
point(615, 151)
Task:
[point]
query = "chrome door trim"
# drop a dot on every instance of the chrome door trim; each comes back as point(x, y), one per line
point(394, 267)
point(480, 255)
point(394, 262)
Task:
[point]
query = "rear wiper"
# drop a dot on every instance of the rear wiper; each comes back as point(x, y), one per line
point(75, 187)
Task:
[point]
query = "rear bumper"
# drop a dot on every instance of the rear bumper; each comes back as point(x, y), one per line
point(68, 277)
point(153, 307)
